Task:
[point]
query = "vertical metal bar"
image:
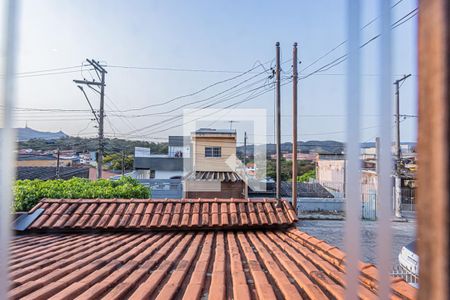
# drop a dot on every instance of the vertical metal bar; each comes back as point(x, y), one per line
point(385, 160)
point(7, 139)
point(433, 195)
point(294, 126)
point(352, 182)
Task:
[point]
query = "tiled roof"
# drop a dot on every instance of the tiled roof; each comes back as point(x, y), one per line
point(304, 190)
point(214, 175)
point(251, 264)
point(46, 173)
point(244, 254)
point(35, 157)
point(144, 214)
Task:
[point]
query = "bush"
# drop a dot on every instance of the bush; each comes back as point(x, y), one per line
point(306, 177)
point(27, 193)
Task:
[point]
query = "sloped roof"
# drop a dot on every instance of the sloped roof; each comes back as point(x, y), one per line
point(305, 189)
point(225, 262)
point(214, 176)
point(142, 214)
point(22, 157)
point(46, 173)
point(188, 265)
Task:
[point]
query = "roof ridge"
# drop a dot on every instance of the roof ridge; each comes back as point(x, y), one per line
point(160, 214)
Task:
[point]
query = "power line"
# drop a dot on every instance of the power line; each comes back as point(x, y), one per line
point(174, 69)
point(201, 90)
point(44, 70)
point(343, 58)
point(234, 104)
point(345, 41)
point(203, 107)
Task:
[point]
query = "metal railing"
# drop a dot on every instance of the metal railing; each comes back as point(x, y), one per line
point(408, 276)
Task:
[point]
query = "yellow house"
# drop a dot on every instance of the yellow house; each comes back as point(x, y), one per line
point(214, 150)
point(213, 166)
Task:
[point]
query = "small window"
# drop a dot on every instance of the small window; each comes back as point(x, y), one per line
point(213, 151)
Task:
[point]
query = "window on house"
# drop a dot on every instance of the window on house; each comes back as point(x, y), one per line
point(213, 152)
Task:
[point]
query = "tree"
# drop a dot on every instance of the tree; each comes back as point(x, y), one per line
point(27, 193)
point(304, 166)
point(114, 161)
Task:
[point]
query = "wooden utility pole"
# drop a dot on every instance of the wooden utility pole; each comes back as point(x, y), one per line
point(101, 72)
point(57, 163)
point(245, 149)
point(245, 165)
point(397, 115)
point(278, 123)
point(294, 126)
point(398, 151)
point(123, 163)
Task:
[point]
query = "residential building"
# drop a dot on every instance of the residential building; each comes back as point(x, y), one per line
point(301, 156)
point(106, 174)
point(214, 165)
point(214, 150)
point(330, 172)
point(179, 146)
point(42, 160)
point(164, 166)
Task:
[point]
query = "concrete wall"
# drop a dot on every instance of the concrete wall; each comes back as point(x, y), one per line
point(331, 173)
point(226, 190)
point(167, 174)
point(320, 204)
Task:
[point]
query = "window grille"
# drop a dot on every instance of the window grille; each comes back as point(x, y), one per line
point(213, 152)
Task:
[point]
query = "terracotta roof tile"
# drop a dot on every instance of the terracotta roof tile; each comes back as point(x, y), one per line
point(260, 257)
point(262, 264)
point(107, 214)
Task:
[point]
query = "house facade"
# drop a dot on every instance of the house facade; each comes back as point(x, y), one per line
point(214, 150)
point(213, 166)
point(330, 172)
point(164, 166)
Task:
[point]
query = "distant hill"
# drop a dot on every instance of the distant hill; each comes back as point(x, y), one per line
point(26, 134)
point(323, 147)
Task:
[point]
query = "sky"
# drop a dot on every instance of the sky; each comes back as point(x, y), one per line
point(210, 41)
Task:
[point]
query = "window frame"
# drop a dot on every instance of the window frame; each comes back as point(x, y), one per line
point(215, 152)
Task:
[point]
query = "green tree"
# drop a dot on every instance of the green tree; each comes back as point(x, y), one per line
point(303, 166)
point(27, 193)
point(305, 177)
point(114, 161)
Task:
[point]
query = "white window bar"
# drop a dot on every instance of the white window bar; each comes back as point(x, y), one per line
point(7, 136)
point(384, 242)
point(353, 174)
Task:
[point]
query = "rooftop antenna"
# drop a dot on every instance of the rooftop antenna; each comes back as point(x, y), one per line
point(231, 123)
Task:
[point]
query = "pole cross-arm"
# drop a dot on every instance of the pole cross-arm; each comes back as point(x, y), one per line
point(89, 102)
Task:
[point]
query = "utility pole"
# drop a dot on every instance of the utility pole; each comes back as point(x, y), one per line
point(245, 165)
point(398, 151)
point(245, 149)
point(101, 72)
point(278, 123)
point(377, 155)
point(57, 163)
point(294, 126)
point(123, 162)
